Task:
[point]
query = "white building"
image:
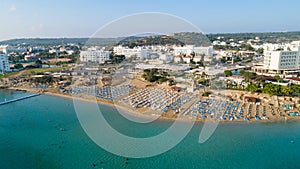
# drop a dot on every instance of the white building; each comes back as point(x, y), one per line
point(51, 51)
point(6, 49)
point(139, 52)
point(188, 49)
point(3, 49)
point(166, 57)
point(282, 59)
point(184, 59)
point(96, 55)
point(4, 64)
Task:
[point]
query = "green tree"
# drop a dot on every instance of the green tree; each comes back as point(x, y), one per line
point(260, 50)
point(44, 80)
point(227, 73)
point(242, 72)
point(271, 89)
point(223, 60)
point(295, 88)
point(162, 80)
point(200, 63)
point(203, 82)
point(286, 90)
point(206, 94)
point(18, 66)
point(278, 79)
point(251, 88)
point(116, 59)
point(260, 79)
point(38, 63)
point(247, 75)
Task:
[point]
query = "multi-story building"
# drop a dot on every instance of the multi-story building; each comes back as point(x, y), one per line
point(3, 49)
point(95, 55)
point(281, 59)
point(167, 58)
point(6, 49)
point(188, 49)
point(182, 59)
point(32, 57)
point(138, 52)
point(4, 64)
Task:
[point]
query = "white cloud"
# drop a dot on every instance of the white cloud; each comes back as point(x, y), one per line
point(12, 8)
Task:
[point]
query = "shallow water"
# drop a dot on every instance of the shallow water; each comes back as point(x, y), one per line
point(31, 137)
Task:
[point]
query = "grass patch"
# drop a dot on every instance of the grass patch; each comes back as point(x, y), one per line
point(7, 74)
point(43, 70)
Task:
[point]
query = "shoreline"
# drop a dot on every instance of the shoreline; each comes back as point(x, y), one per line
point(147, 116)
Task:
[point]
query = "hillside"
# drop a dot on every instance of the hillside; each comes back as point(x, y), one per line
point(176, 38)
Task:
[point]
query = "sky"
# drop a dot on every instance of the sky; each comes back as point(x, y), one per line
point(66, 18)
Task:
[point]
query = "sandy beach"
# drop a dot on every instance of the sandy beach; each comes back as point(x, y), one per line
point(147, 114)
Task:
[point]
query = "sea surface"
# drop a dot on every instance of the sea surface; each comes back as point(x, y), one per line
point(44, 133)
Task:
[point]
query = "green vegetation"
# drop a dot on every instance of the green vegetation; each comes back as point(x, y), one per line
point(18, 66)
point(246, 47)
point(180, 39)
point(271, 89)
point(192, 38)
point(247, 75)
point(184, 37)
point(206, 94)
point(275, 37)
point(278, 79)
point(204, 82)
point(153, 75)
point(116, 59)
point(132, 42)
point(251, 88)
point(44, 80)
point(7, 74)
point(227, 73)
point(260, 51)
point(223, 60)
point(274, 89)
point(57, 41)
point(259, 85)
point(286, 90)
point(40, 71)
point(38, 63)
point(243, 47)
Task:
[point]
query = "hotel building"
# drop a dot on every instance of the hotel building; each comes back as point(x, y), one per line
point(4, 64)
point(138, 52)
point(280, 59)
point(95, 55)
point(188, 49)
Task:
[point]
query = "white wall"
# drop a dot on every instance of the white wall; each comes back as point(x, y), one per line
point(4, 64)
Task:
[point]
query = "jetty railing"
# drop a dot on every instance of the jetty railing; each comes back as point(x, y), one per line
point(18, 99)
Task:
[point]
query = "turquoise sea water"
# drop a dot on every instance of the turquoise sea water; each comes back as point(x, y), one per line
point(31, 137)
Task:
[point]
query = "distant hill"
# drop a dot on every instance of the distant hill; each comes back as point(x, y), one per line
point(60, 41)
point(151, 40)
point(271, 37)
point(44, 41)
point(183, 38)
point(180, 39)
